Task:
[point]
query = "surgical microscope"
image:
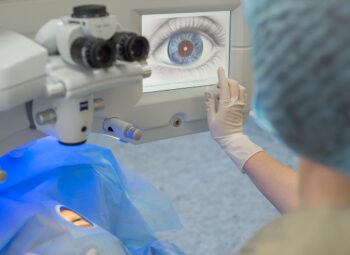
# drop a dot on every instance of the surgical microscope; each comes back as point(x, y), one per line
point(56, 76)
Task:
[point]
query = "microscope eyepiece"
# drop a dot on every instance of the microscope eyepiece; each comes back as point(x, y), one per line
point(89, 11)
point(130, 47)
point(93, 52)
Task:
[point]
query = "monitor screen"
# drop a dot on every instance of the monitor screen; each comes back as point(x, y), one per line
point(186, 49)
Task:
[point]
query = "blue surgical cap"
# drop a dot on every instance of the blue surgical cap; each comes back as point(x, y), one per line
point(301, 51)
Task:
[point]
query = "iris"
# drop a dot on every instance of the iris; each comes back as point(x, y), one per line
point(185, 48)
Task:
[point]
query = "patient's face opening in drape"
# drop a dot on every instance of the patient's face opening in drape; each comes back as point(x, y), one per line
point(74, 218)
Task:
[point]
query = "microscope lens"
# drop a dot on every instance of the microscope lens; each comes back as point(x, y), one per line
point(93, 52)
point(131, 47)
point(104, 53)
point(139, 48)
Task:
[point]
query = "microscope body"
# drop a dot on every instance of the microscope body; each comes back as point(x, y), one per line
point(71, 59)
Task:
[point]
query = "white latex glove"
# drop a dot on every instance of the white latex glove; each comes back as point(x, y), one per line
point(225, 120)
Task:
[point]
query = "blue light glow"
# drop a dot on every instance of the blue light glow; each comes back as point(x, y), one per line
point(86, 179)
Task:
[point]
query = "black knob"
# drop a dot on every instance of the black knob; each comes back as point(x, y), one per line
point(89, 11)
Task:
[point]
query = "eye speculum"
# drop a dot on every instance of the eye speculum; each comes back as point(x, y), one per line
point(185, 48)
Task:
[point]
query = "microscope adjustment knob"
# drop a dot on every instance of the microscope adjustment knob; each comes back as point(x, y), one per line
point(46, 117)
point(99, 104)
point(89, 11)
point(133, 133)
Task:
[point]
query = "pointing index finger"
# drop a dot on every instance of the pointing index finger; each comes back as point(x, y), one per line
point(223, 84)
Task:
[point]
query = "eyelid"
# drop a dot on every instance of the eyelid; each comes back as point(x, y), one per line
point(185, 24)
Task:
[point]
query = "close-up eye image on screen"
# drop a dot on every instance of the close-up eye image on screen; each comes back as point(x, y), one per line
point(186, 48)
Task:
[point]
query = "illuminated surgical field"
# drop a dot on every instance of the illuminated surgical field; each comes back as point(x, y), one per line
point(186, 48)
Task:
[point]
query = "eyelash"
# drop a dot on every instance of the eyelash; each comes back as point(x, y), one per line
point(190, 24)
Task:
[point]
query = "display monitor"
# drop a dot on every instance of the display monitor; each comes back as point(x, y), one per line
point(186, 48)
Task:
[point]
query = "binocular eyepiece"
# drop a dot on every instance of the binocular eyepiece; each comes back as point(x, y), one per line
point(98, 53)
point(130, 47)
point(93, 52)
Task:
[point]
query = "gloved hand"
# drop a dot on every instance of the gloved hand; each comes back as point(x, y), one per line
point(225, 120)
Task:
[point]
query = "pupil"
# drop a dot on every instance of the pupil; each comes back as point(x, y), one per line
point(186, 48)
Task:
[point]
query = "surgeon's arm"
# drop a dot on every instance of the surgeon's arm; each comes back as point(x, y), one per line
point(225, 119)
point(277, 182)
